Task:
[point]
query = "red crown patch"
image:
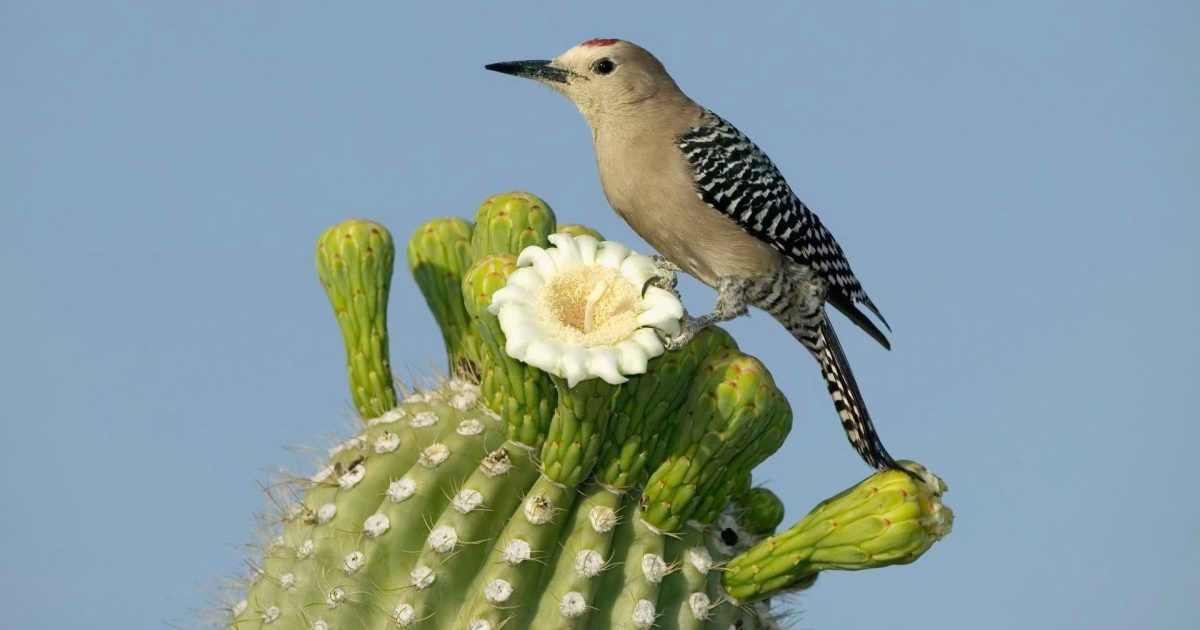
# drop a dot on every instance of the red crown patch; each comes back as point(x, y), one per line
point(600, 42)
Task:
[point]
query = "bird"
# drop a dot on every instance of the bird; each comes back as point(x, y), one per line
point(717, 208)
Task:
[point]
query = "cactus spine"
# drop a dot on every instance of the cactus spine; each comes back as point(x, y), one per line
point(508, 498)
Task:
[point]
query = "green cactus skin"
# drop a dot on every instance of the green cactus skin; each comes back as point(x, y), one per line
point(505, 499)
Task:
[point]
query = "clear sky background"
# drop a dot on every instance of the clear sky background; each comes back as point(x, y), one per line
point(1016, 185)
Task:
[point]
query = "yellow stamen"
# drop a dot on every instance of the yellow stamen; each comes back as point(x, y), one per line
point(589, 306)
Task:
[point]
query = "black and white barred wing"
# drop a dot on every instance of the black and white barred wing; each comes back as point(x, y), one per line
point(735, 177)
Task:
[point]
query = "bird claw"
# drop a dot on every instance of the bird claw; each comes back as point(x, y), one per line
point(664, 276)
point(677, 343)
point(687, 330)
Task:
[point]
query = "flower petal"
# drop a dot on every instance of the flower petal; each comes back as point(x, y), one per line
point(546, 355)
point(638, 269)
point(527, 278)
point(603, 362)
point(587, 245)
point(611, 254)
point(516, 315)
point(662, 318)
point(509, 294)
point(656, 296)
point(574, 365)
point(517, 339)
point(649, 341)
point(565, 252)
point(540, 260)
point(663, 310)
point(632, 358)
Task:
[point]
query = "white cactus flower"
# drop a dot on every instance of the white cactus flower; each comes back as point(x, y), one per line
point(577, 310)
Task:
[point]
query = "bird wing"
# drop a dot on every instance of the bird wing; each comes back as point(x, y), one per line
point(736, 178)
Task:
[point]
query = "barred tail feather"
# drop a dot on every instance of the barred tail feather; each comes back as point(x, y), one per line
point(848, 400)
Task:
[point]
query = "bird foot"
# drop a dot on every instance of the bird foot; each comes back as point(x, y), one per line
point(664, 277)
point(688, 328)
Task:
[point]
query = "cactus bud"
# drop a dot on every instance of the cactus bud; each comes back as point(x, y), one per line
point(354, 264)
point(760, 511)
point(892, 517)
point(509, 222)
point(439, 253)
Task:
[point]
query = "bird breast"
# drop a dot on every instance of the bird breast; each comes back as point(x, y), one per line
point(650, 185)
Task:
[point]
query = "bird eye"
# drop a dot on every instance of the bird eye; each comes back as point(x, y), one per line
point(604, 66)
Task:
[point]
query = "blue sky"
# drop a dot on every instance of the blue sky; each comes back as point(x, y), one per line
point(1016, 186)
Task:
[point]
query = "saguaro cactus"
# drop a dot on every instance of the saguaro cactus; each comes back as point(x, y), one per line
point(568, 473)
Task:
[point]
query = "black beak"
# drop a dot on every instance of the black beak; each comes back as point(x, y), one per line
point(538, 70)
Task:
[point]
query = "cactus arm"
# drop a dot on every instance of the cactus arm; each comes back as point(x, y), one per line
point(354, 264)
point(648, 408)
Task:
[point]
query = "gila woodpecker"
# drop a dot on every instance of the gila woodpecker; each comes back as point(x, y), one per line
point(715, 206)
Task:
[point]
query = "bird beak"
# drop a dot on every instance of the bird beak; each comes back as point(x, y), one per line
point(538, 70)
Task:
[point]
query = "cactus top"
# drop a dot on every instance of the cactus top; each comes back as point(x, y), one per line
point(581, 309)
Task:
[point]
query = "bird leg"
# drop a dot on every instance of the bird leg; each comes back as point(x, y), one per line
point(664, 278)
point(731, 303)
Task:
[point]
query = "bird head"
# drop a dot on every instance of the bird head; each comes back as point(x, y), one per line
point(603, 77)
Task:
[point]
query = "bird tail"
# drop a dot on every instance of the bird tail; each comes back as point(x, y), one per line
point(847, 398)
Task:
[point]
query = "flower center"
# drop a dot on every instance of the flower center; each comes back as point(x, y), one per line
point(589, 306)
